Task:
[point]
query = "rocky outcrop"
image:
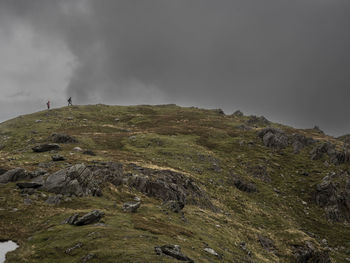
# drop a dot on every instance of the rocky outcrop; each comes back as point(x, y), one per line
point(274, 138)
point(237, 113)
point(174, 206)
point(173, 251)
point(57, 158)
point(309, 254)
point(300, 141)
point(14, 175)
point(336, 156)
point(258, 121)
point(243, 185)
point(168, 185)
point(131, 207)
point(333, 194)
point(24, 185)
point(62, 138)
point(45, 147)
point(267, 243)
point(89, 218)
point(76, 180)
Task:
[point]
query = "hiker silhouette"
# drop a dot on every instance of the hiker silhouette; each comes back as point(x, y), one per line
point(48, 104)
point(70, 101)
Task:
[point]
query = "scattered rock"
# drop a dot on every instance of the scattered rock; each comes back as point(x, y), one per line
point(77, 149)
point(89, 218)
point(76, 246)
point(238, 113)
point(89, 152)
point(2, 171)
point(174, 206)
point(259, 171)
point(27, 201)
point(28, 185)
point(57, 158)
point(212, 252)
point(131, 206)
point(54, 200)
point(37, 121)
point(87, 258)
point(300, 141)
point(172, 251)
point(14, 175)
point(260, 121)
point(333, 194)
point(243, 185)
point(62, 138)
point(308, 254)
point(46, 147)
point(274, 138)
point(267, 243)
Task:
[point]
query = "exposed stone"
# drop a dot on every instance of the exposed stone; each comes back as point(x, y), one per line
point(54, 200)
point(260, 121)
point(27, 201)
point(28, 185)
point(260, 171)
point(89, 218)
point(57, 158)
point(308, 254)
point(172, 251)
point(77, 180)
point(174, 206)
point(274, 138)
point(87, 257)
point(46, 147)
point(243, 185)
point(3, 170)
point(76, 246)
point(89, 152)
point(238, 113)
point(318, 151)
point(14, 175)
point(267, 243)
point(62, 138)
point(212, 252)
point(77, 149)
point(333, 194)
point(300, 141)
point(131, 206)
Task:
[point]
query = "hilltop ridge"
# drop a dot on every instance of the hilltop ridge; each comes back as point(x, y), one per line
point(224, 188)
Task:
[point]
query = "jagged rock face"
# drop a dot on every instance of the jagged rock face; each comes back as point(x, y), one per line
point(334, 197)
point(14, 175)
point(76, 180)
point(299, 141)
point(336, 157)
point(308, 254)
point(168, 185)
point(89, 218)
point(274, 138)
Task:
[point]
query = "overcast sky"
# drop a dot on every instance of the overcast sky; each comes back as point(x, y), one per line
point(286, 60)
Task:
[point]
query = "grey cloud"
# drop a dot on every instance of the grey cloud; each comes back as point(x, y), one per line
point(288, 60)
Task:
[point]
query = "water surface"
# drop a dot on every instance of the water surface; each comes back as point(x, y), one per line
point(6, 247)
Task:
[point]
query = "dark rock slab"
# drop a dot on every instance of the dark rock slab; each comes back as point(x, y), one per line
point(24, 185)
point(274, 138)
point(3, 170)
point(54, 200)
point(309, 254)
point(89, 218)
point(173, 251)
point(267, 243)
point(89, 152)
point(57, 158)
point(14, 175)
point(243, 185)
point(45, 147)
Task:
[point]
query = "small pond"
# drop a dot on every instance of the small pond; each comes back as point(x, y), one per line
point(5, 247)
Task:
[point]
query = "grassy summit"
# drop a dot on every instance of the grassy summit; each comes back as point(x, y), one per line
point(206, 146)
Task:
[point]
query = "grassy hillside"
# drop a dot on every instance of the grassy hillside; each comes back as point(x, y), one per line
point(205, 145)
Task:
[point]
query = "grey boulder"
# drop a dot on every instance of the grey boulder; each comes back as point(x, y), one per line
point(172, 251)
point(14, 175)
point(45, 147)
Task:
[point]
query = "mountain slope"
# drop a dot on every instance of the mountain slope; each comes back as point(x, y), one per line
point(261, 197)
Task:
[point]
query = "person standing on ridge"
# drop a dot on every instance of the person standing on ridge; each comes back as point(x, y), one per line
point(70, 101)
point(48, 104)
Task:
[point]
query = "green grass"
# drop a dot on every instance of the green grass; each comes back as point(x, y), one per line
point(204, 145)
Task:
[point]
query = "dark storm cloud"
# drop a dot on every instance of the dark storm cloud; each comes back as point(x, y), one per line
point(288, 60)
